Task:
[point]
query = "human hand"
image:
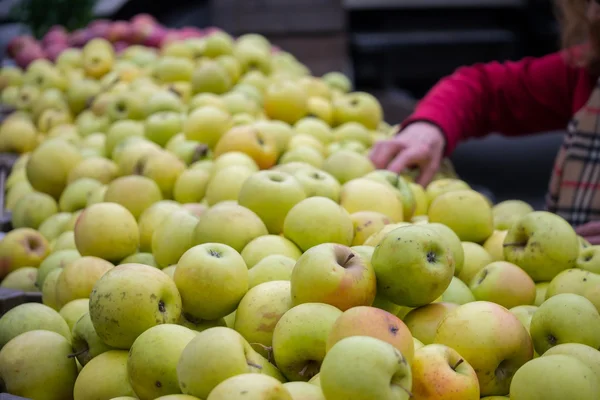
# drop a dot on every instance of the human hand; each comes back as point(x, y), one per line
point(590, 232)
point(420, 144)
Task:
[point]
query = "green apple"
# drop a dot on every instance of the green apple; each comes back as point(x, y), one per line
point(402, 187)
point(589, 259)
point(438, 371)
point(285, 101)
point(424, 321)
point(363, 367)
point(30, 317)
point(267, 245)
point(173, 69)
point(494, 245)
point(162, 126)
point(33, 209)
point(150, 220)
point(248, 386)
point(79, 277)
point(317, 220)
point(271, 195)
point(271, 268)
point(108, 231)
point(104, 377)
point(49, 290)
point(18, 136)
point(140, 258)
point(76, 194)
point(74, 310)
point(524, 314)
point(163, 168)
point(207, 124)
point(540, 292)
point(346, 165)
point(321, 108)
point(161, 101)
point(215, 355)
point(353, 131)
point(333, 274)
point(295, 167)
point(190, 186)
point(440, 186)
point(36, 365)
point(126, 105)
point(153, 358)
point(377, 237)
point(66, 241)
point(543, 244)
point(454, 244)
point(300, 337)
point(368, 195)
point(86, 342)
point(230, 224)
point(476, 257)
point(233, 158)
point(135, 193)
point(210, 76)
point(554, 377)
point(131, 153)
point(212, 278)
point(413, 266)
point(367, 223)
point(173, 236)
point(280, 131)
point(206, 99)
point(15, 193)
point(466, 212)
point(199, 325)
point(22, 279)
point(577, 281)
point(97, 168)
point(119, 320)
point(508, 212)
point(304, 391)
point(503, 283)
point(491, 339)
point(238, 103)
point(337, 80)
point(565, 318)
point(120, 131)
point(305, 154)
point(373, 322)
point(89, 123)
point(318, 183)
point(457, 292)
point(316, 128)
point(358, 107)
point(586, 354)
point(259, 311)
point(226, 183)
point(304, 139)
point(382, 303)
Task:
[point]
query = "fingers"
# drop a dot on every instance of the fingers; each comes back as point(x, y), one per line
point(428, 173)
point(594, 240)
point(409, 157)
point(589, 229)
point(383, 152)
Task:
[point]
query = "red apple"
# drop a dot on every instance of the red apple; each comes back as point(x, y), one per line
point(120, 46)
point(29, 53)
point(80, 37)
point(119, 31)
point(19, 42)
point(191, 32)
point(144, 19)
point(53, 50)
point(56, 34)
point(170, 36)
point(156, 37)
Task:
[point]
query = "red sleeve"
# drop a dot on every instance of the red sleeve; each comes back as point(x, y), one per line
point(511, 98)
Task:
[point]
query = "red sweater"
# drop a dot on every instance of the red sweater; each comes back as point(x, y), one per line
point(513, 98)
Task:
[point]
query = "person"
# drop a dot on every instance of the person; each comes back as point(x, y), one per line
point(557, 91)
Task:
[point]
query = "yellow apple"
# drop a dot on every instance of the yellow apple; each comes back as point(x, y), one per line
point(503, 283)
point(476, 257)
point(424, 321)
point(267, 245)
point(494, 245)
point(367, 195)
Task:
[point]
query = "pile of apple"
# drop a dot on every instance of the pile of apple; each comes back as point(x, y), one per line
point(204, 222)
point(142, 29)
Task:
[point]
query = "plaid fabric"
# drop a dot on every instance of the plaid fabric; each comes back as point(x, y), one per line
point(574, 190)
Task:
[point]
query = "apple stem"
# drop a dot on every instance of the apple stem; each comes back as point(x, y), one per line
point(350, 257)
point(410, 395)
point(80, 352)
point(254, 365)
point(515, 244)
point(268, 349)
point(458, 363)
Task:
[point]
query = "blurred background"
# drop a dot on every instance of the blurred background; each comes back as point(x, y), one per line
point(395, 49)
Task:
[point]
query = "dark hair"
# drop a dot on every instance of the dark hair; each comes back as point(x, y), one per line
point(577, 30)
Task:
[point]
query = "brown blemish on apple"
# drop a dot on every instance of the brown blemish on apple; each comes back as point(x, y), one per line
point(33, 244)
point(484, 274)
point(4, 266)
point(393, 329)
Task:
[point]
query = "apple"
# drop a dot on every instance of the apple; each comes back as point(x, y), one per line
point(300, 337)
point(22, 247)
point(119, 320)
point(542, 244)
point(163, 168)
point(162, 126)
point(367, 223)
point(316, 128)
point(106, 230)
point(476, 258)
point(318, 183)
point(346, 165)
point(22, 279)
point(66, 241)
point(304, 391)
point(424, 321)
point(153, 358)
point(586, 354)
point(271, 268)
point(540, 292)
point(363, 367)
point(76, 194)
point(413, 266)
point(33, 209)
point(24, 373)
point(524, 314)
point(268, 245)
point(554, 321)
point(259, 311)
point(280, 131)
point(173, 236)
point(212, 278)
point(151, 218)
point(458, 292)
point(494, 245)
point(29, 317)
point(233, 158)
point(110, 368)
point(190, 186)
point(222, 224)
point(466, 212)
point(589, 259)
point(304, 139)
point(226, 183)
point(577, 281)
point(15, 193)
point(89, 123)
point(337, 80)
point(240, 103)
point(491, 339)
point(286, 101)
point(98, 168)
point(120, 131)
point(57, 260)
point(377, 237)
point(367, 195)
point(163, 101)
point(353, 131)
point(303, 153)
point(348, 279)
point(561, 375)
point(215, 355)
point(358, 107)
point(454, 244)
point(271, 195)
point(321, 108)
point(440, 186)
point(86, 342)
point(197, 324)
point(373, 322)
point(79, 277)
point(135, 193)
point(250, 387)
point(49, 166)
point(249, 140)
point(74, 310)
point(210, 76)
point(506, 213)
point(503, 283)
point(317, 220)
point(140, 258)
point(98, 57)
point(438, 371)
point(18, 136)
